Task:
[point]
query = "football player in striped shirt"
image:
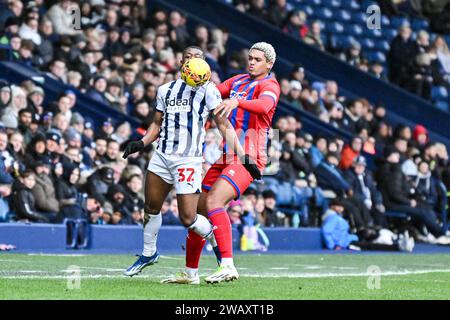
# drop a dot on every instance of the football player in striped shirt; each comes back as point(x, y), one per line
point(179, 123)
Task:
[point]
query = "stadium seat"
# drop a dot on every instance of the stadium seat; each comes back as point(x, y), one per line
point(443, 105)
point(350, 4)
point(419, 24)
point(334, 27)
point(345, 41)
point(306, 8)
point(353, 29)
point(367, 3)
point(367, 43)
point(396, 22)
point(389, 34)
point(439, 93)
point(342, 15)
point(373, 33)
point(331, 3)
point(376, 56)
point(324, 13)
point(316, 2)
point(359, 18)
point(385, 22)
point(382, 45)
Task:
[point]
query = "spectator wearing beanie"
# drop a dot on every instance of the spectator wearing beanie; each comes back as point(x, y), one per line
point(271, 216)
point(44, 189)
point(420, 136)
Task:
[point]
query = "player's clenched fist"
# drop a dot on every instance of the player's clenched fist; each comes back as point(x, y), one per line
point(132, 147)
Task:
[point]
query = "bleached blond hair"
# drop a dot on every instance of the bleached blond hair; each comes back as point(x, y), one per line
point(267, 48)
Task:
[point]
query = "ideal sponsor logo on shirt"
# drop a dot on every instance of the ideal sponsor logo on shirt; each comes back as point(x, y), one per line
point(178, 105)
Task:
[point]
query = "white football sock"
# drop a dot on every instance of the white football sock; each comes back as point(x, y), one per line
point(202, 227)
point(192, 272)
point(151, 231)
point(227, 262)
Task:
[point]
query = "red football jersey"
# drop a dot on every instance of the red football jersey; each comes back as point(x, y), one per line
point(253, 118)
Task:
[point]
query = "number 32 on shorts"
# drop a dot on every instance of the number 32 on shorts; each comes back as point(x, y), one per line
point(186, 174)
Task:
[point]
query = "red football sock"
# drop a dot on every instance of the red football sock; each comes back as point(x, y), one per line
point(222, 231)
point(194, 247)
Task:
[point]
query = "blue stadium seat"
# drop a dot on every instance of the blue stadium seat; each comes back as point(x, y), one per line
point(439, 93)
point(419, 24)
point(359, 17)
point(334, 27)
point(389, 34)
point(376, 56)
point(306, 8)
point(373, 33)
point(385, 22)
point(324, 13)
point(285, 194)
point(396, 21)
point(443, 105)
point(342, 15)
point(345, 41)
point(350, 4)
point(382, 45)
point(353, 29)
point(367, 3)
point(367, 43)
point(315, 2)
point(331, 3)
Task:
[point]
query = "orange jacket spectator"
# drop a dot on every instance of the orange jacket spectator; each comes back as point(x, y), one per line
point(350, 152)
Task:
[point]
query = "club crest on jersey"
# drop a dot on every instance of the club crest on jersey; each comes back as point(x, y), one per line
point(238, 95)
point(178, 105)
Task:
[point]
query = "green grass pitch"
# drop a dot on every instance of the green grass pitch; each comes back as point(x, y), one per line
point(402, 276)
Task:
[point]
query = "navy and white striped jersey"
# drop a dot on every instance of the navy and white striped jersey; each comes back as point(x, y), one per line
point(186, 110)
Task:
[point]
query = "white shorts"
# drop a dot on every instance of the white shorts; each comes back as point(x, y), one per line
point(185, 173)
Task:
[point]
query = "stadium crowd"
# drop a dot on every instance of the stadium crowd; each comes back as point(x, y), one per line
point(56, 164)
point(415, 61)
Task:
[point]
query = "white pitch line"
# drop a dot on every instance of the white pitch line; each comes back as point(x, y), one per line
point(171, 258)
point(57, 254)
point(14, 260)
point(268, 275)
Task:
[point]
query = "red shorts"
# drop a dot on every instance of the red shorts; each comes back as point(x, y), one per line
point(235, 174)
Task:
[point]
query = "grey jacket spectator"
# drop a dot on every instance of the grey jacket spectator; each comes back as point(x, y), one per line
point(44, 190)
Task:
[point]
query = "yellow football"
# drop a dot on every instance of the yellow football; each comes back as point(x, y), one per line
point(195, 72)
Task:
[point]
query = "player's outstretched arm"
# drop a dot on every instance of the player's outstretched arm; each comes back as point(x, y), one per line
point(151, 135)
point(231, 138)
point(261, 105)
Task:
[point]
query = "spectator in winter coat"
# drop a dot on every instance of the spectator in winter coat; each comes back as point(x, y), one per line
point(350, 152)
point(44, 189)
point(365, 189)
point(23, 201)
point(99, 183)
point(330, 177)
